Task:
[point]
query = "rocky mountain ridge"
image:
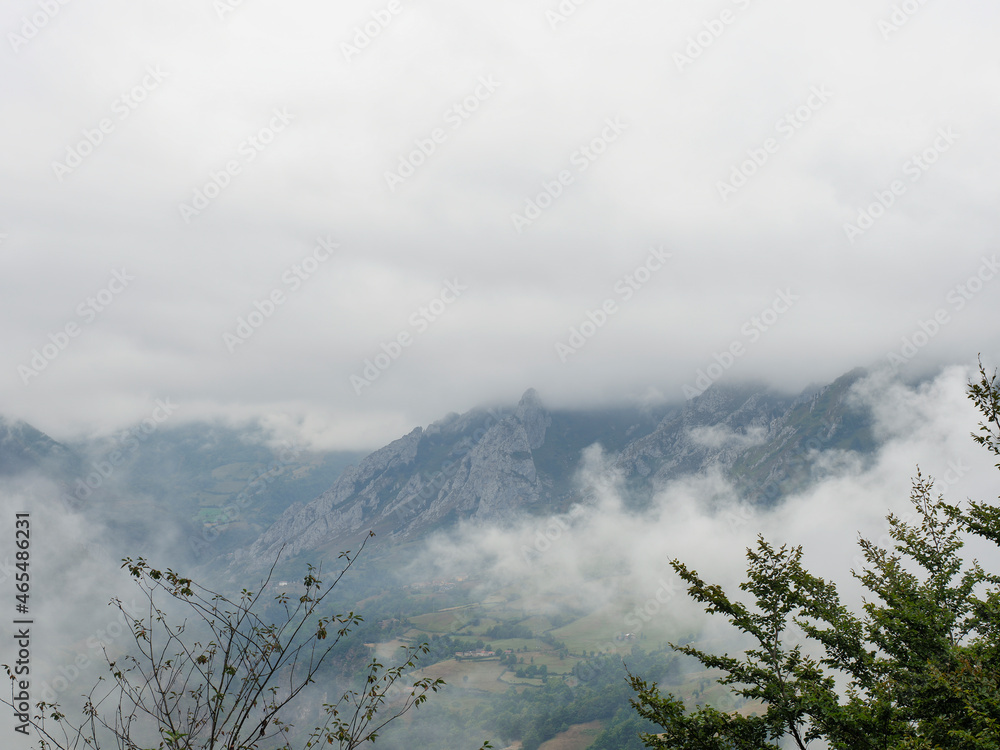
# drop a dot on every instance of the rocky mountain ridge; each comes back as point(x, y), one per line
point(23, 448)
point(233, 500)
point(490, 466)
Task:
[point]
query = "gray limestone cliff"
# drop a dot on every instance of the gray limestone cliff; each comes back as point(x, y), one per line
point(475, 466)
point(492, 466)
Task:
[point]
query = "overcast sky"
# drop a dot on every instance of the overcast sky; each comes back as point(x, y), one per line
point(448, 189)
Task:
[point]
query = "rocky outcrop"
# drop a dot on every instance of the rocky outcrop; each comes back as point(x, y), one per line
point(491, 466)
point(714, 429)
point(533, 418)
point(342, 509)
point(478, 465)
point(23, 448)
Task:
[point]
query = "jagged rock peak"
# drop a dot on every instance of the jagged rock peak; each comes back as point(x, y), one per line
point(533, 418)
point(530, 398)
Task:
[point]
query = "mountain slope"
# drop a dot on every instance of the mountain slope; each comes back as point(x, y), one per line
point(492, 465)
point(23, 448)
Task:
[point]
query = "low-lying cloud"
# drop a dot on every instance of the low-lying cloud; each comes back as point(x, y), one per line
point(599, 556)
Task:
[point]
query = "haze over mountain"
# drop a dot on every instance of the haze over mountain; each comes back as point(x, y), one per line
point(492, 466)
point(221, 486)
point(561, 520)
point(809, 139)
point(545, 293)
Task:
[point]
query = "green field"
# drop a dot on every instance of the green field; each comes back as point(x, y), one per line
point(473, 685)
point(468, 675)
point(516, 644)
point(441, 622)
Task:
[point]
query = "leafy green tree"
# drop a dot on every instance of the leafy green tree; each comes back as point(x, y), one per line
point(918, 668)
point(622, 732)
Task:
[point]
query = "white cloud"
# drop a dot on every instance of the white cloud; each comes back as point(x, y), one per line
point(601, 557)
point(325, 173)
